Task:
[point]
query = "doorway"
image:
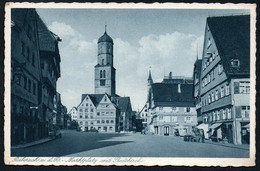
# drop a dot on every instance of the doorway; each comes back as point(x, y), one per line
point(166, 131)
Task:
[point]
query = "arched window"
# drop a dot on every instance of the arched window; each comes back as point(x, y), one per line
point(100, 73)
point(103, 61)
point(104, 74)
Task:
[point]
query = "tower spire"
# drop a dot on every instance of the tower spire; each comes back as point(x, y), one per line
point(105, 27)
point(150, 75)
point(197, 52)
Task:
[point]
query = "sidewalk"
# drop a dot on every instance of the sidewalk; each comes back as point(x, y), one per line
point(41, 141)
point(238, 146)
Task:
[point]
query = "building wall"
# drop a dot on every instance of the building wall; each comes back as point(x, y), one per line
point(174, 118)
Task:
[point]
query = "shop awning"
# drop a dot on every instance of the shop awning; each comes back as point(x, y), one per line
point(215, 125)
point(203, 126)
point(246, 126)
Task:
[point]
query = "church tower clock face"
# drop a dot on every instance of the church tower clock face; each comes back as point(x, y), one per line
point(104, 70)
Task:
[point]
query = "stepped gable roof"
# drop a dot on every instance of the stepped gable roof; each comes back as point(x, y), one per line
point(232, 37)
point(123, 103)
point(105, 38)
point(166, 94)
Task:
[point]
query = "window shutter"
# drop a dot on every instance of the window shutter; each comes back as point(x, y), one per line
point(238, 111)
point(236, 87)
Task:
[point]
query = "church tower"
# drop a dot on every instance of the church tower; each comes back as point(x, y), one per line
point(149, 87)
point(105, 73)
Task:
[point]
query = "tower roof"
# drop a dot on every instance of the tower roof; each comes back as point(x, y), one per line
point(105, 38)
point(150, 75)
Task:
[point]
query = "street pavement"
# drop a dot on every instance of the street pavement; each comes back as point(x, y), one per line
point(83, 144)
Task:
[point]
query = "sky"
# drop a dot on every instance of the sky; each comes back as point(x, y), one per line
point(162, 40)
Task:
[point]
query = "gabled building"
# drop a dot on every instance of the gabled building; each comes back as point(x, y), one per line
point(125, 109)
point(225, 78)
point(97, 111)
point(73, 113)
point(172, 107)
point(25, 78)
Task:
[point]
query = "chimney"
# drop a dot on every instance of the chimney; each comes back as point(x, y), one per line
point(170, 75)
point(179, 88)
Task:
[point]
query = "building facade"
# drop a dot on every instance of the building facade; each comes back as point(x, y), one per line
point(32, 45)
point(225, 78)
point(25, 77)
point(73, 113)
point(171, 106)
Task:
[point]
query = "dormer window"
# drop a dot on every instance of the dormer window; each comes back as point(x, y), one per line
point(235, 63)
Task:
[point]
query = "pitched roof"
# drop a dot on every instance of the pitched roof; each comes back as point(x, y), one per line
point(47, 40)
point(95, 98)
point(123, 103)
point(165, 94)
point(232, 38)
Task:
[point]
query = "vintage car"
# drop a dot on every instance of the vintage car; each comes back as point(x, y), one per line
point(196, 135)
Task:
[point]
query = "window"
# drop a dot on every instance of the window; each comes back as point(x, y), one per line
point(214, 55)
point(100, 75)
point(91, 110)
point(103, 121)
point(80, 123)
point(112, 121)
point(245, 111)
point(227, 90)
point(235, 63)
point(107, 113)
point(209, 98)
point(86, 123)
point(86, 110)
point(91, 123)
point(111, 113)
point(212, 97)
point(214, 116)
point(160, 117)
point(86, 116)
point(80, 116)
point(216, 95)
point(98, 113)
point(244, 87)
point(160, 108)
point(187, 119)
point(174, 108)
point(208, 77)
point(212, 75)
point(86, 104)
point(102, 82)
point(187, 109)
point(80, 110)
point(220, 69)
point(222, 92)
point(98, 121)
point(104, 74)
point(206, 81)
point(224, 114)
point(107, 121)
point(110, 128)
point(103, 61)
point(229, 113)
point(218, 116)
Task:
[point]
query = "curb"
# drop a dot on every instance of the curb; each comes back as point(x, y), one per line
point(231, 146)
point(32, 144)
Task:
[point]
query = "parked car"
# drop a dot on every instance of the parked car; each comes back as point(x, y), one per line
point(55, 132)
point(93, 130)
point(196, 135)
